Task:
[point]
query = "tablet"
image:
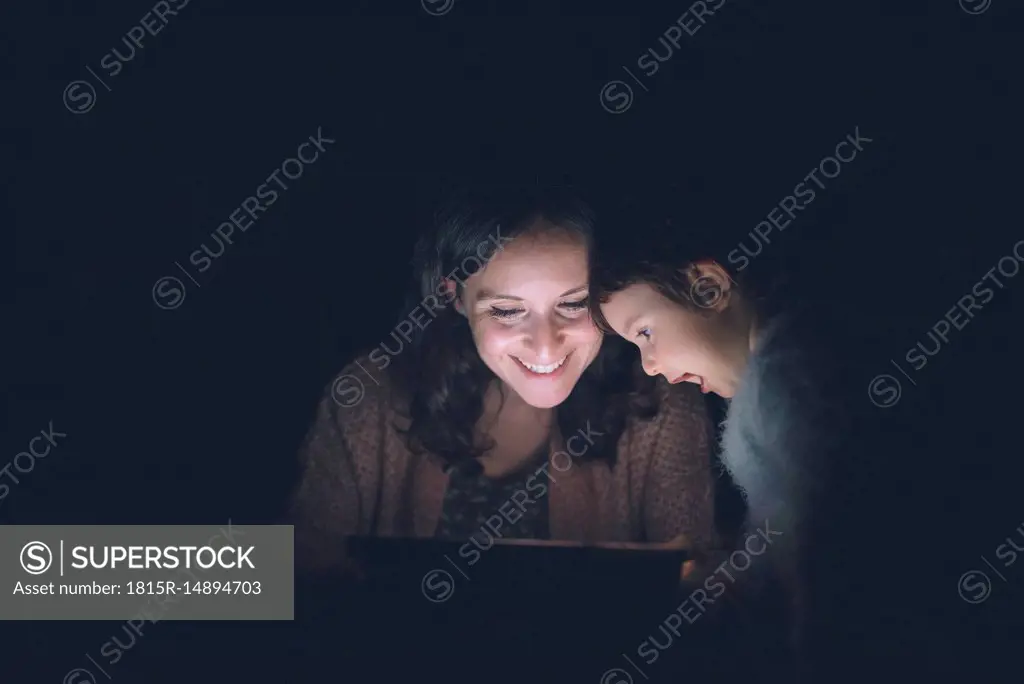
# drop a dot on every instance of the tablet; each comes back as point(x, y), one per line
point(442, 570)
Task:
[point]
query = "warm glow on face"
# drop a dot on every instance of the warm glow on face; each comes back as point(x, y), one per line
point(528, 313)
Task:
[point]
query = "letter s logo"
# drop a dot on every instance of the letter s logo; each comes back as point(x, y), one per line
point(36, 558)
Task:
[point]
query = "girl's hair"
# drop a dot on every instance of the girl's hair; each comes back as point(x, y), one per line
point(442, 378)
point(662, 253)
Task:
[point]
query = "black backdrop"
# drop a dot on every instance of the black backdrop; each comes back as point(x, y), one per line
point(193, 414)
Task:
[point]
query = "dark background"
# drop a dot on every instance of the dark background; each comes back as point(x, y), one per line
point(193, 415)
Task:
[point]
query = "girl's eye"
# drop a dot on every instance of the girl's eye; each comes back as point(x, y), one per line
point(644, 333)
point(495, 312)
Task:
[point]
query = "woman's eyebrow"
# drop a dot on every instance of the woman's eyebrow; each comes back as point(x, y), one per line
point(484, 295)
point(487, 294)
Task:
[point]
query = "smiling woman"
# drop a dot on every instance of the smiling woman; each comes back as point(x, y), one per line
point(487, 403)
point(528, 314)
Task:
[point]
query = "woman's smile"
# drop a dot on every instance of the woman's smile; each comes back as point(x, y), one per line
point(551, 370)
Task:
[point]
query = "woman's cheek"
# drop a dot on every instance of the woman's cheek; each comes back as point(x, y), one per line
point(583, 330)
point(494, 339)
point(585, 336)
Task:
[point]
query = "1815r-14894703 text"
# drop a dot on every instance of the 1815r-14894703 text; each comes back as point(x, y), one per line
point(189, 588)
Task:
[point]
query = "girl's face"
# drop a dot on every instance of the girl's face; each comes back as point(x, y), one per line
point(528, 312)
point(683, 344)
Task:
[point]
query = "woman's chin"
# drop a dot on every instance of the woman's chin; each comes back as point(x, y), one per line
point(544, 398)
point(546, 403)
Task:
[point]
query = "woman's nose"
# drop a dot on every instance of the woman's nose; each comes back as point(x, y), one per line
point(649, 366)
point(546, 339)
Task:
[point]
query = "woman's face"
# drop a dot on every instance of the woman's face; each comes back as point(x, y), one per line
point(528, 312)
point(685, 345)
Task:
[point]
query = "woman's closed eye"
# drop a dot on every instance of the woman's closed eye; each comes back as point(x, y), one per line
point(504, 314)
point(500, 313)
point(576, 306)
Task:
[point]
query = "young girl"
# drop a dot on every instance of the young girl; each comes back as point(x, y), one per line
point(788, 441)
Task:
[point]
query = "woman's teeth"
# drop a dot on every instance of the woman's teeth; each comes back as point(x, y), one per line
point(543, 370)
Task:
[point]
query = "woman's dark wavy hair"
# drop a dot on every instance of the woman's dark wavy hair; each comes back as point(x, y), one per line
point(441, 376)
